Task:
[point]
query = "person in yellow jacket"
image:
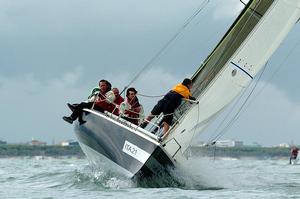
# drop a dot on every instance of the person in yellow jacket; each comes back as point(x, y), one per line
point(169, 103)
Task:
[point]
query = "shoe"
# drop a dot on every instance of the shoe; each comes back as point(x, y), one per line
point(154, 130)
point(143, 125)
point(71, 106)
point(68, 119)
point(82, 122)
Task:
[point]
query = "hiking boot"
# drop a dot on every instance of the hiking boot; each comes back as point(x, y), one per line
point(159, 139)
point(68, 119)
point(143, 125)
point(81, 122)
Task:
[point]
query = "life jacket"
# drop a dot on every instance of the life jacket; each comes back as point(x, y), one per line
point(182, 90)
point(117, 102)
point(133, 110)
point(102, 104)
point(295, 152)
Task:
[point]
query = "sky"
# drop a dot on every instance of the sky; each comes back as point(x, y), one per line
point(54, 52)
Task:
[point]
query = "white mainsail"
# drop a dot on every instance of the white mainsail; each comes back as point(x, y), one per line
point(239, 56)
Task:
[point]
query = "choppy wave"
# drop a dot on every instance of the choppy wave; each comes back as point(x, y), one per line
point(199, 178)
point(93, 178)
point(196, 177)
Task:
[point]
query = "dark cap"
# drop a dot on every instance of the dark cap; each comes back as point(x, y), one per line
point(132, 90)
point(187, 82)
point(107, 83)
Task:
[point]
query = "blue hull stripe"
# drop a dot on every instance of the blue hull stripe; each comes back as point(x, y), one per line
point(241, 69)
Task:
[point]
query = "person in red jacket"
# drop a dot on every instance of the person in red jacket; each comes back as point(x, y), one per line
point(294, 154)
point(104, 98)
point(96, 100)
point(118, 100)
point(132, 106)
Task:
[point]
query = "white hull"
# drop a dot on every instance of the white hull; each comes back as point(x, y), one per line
point(113, 143)
point(101, 161)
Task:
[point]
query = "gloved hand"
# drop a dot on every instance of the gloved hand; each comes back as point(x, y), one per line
point(192, 98)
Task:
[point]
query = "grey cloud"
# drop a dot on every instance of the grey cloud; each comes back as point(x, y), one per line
point(53, 52)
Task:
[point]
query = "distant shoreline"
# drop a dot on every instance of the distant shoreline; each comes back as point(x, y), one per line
point(241, 152)
point(15, 150)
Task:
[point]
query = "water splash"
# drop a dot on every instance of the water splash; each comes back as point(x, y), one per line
point(98, 178)
point(196, 174)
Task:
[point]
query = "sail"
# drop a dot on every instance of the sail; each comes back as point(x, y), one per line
point(232, 40)
point(238, 57)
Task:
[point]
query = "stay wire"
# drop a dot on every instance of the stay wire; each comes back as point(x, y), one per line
point(150, 96)
point(159, 53)
point(237, 115)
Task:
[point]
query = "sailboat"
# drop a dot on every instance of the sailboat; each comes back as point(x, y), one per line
point(239, 56)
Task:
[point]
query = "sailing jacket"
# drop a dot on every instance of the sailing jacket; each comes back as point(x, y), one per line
point(101, 103)
point(134, 110)
point(174, 97)
point(182, 90)
point(115, 110)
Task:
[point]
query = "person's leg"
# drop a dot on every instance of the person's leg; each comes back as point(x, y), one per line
point(157, 109)
point(166, 127)
point(72, 106)
point(149, 118)
point(167, 121)
point(146, 121)
point(78, 110)
point(77, 113)
point(84, 105)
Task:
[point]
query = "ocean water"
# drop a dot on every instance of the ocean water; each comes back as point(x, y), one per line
point(206, 178)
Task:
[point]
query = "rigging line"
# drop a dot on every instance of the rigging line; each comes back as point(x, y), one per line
point(150, 96)
point(251, 8)
point(237, 115)
point(154, 96)
point(243, 3)
point(180, 30)
point(233, 106)
point(227, 115)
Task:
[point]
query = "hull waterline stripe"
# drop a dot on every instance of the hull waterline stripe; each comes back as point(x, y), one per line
point(241, 69)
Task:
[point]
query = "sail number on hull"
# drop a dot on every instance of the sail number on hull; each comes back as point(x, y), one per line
point(135, 152)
